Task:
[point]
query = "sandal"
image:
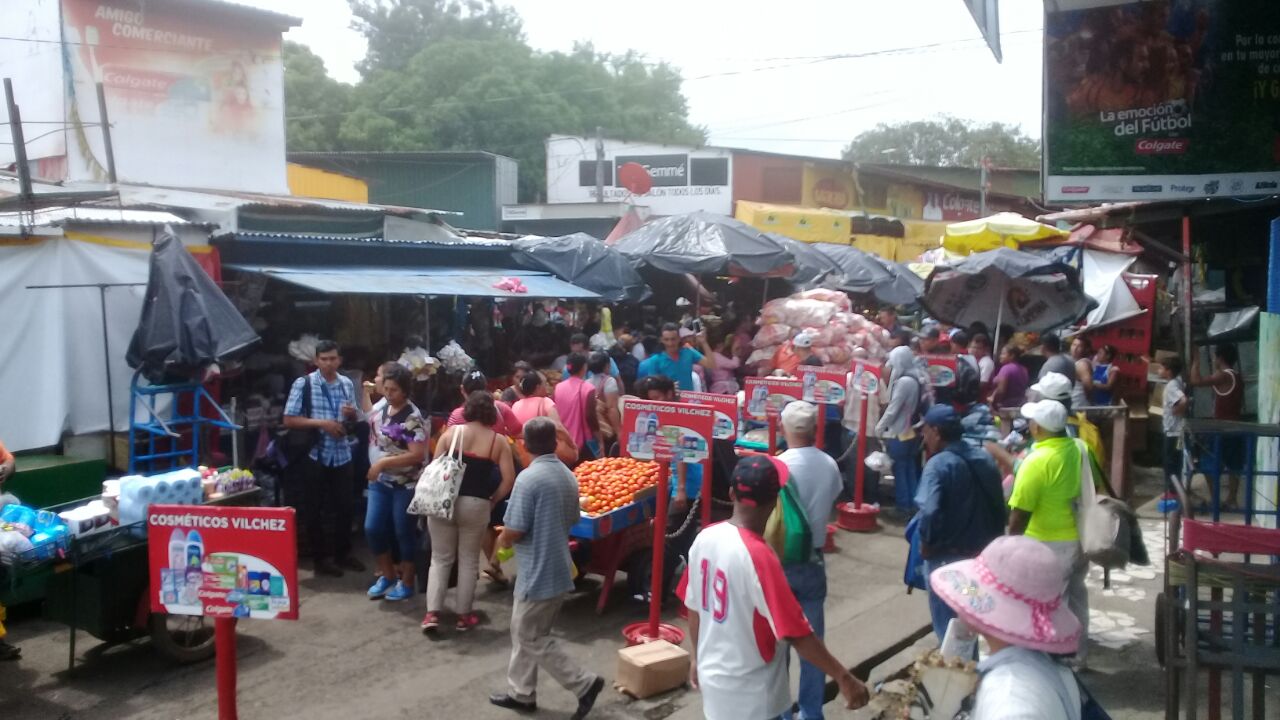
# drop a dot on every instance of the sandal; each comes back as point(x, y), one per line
point(466, 621)
point(494, 573)
point(430, 622)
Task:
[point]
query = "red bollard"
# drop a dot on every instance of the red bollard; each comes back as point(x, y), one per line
point(659, 543)
point(224, 638)
point(862, 455)
point(773, 432)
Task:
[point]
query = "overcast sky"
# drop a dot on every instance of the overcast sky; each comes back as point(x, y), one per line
point(778, 98)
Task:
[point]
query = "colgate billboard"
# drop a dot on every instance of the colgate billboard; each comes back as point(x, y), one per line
point(1167, 146)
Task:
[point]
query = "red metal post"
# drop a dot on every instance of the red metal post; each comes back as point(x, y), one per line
point(860, 458)
point(659, 543)
point(224, 638)
point(1186, 285)
point(773, 433)
point(706, 488)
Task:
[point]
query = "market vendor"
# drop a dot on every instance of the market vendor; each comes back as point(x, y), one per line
point(675, 361)
point(7, 467)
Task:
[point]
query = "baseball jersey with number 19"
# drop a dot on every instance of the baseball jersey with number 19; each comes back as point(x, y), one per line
point(746, 614)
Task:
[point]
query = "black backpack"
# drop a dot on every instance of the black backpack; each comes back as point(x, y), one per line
point(296, 444)
point(967, 388)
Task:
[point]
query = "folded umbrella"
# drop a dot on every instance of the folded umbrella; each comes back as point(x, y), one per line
point(702, 243)
point(586, 262)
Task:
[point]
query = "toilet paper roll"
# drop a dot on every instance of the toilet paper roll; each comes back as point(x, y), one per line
point(163, 492)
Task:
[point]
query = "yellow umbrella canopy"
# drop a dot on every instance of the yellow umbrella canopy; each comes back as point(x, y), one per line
point(1000, 230)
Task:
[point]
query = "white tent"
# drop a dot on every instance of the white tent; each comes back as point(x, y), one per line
point(1104, 282)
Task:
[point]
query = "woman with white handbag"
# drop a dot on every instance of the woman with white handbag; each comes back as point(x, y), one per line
point(488, 474)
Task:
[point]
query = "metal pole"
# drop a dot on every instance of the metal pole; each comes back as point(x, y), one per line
point(659, 543)
point(19, 143)
point(106, 360)
point(224, 634)
point(108, 150)
point(982, 189)
point(860, 472)
point(1186, 282)
point(599, 164)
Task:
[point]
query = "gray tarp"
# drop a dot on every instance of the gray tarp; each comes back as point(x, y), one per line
point(187, 323)
point(705, 243)
point(586, 262)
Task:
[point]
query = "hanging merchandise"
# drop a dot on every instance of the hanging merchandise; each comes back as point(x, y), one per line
point(304, 348)
point(455, 359)
point(604, 339)
point(419, 362)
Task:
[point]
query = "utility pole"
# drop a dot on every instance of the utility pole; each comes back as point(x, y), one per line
point(599, 164)
point(107, 148)
point(984, 182)
point(19, 143)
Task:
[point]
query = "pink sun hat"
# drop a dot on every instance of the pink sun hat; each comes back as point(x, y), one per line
point(1013, 591)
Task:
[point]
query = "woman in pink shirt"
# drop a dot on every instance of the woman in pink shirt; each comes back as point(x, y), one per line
point(576, 402)
point(535, 402)
point(724, 379)
point(507, 423)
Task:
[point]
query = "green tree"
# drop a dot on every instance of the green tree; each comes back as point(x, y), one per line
point(398, 29)
point(946, 141)
point(314, 102)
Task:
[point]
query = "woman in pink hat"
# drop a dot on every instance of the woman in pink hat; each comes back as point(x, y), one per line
point(1012, 595)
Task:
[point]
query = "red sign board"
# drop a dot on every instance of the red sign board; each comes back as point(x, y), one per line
point(225, 562)
point(726, 407)
point(866, 378)
point(768, 395)
point(649, 428)
point(825, 387)
point(942, 370)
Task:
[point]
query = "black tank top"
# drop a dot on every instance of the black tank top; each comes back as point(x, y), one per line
point(480, 478)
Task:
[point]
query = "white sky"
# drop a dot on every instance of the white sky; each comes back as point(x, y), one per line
point(778, 102)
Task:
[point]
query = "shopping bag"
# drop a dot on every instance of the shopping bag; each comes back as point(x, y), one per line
point(1104, 523)
point(437, 490)
point(787, 530)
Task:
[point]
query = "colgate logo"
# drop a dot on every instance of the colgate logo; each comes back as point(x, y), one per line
point(1173, 146)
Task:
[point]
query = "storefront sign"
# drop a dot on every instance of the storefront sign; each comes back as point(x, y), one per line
point(1162, 100)
point(651, 427)
point(825, 387)
point(192, 77)
point(680, 179)
point(827, 187)
point(223, 562)
point(726, 407)
point(768, 395)
point(942, 370)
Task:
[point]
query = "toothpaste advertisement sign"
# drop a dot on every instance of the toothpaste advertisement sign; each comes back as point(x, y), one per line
point(1162, 99)
point(649, 428)
point(231, 562)
point(726, 406)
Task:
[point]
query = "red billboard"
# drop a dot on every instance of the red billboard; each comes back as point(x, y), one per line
point(229, 562)
point(726, 407)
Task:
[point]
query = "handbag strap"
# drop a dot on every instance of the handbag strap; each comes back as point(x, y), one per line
point(455, 442)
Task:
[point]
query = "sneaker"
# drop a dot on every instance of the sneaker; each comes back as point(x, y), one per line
point(466, 621)
point(588, 699)
point(379, 588)
point(430, 622)
point(398, 592)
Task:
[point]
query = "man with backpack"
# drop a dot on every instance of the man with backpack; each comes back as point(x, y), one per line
point(961, 502)
point(814, 480)
point(320, 407)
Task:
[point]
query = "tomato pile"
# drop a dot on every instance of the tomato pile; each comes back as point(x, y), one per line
point(609, 483)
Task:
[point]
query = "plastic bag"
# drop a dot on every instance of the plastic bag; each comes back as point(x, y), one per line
point(879, 462)
point(839, 299)
point(455, 359)
point(808, 313)
point(772, 334)
point(834, 355)
point(762, 355)
point(421, 364)
point(304, 348)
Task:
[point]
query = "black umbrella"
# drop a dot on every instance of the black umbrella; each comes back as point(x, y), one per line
point(1006, 286)
point(701, 243)
point(812, 268)
point(586, 262)
point(187, 323)
point(862, 272)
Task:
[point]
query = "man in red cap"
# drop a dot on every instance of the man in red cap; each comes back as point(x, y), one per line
point(742, 612)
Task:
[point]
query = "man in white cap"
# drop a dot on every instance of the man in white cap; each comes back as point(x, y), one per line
point(1043, 504)
point(815, 479)
point(1056, 386)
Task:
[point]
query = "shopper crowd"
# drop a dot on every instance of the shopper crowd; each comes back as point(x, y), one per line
point(993, 506)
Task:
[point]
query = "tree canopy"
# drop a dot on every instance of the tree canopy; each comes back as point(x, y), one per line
point(946, 141)
point(458, 75)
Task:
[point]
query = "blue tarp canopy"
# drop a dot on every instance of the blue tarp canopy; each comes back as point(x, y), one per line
point(465, 282)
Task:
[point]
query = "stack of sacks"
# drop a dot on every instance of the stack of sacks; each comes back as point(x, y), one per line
point(840, 335)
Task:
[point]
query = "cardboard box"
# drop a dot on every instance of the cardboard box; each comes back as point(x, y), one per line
point(652, 668)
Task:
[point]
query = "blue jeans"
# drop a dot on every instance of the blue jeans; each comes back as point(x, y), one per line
point(387, 523)
point(939, 611)
point(906, 471)
point(809, 583)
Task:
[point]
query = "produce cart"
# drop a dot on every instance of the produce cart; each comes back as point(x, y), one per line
point(615, 536)
point(99, 584)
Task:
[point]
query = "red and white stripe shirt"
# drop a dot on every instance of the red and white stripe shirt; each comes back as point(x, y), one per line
point(746, 612)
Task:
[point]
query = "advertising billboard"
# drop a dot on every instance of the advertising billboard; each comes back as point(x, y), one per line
point(1162, 100)
point(679, 179)
point(195, 94)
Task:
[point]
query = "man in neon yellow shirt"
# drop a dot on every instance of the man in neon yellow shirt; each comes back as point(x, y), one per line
point(1043, 505)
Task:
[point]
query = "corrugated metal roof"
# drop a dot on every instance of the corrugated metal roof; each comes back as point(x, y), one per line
point(1007, 182)
point(283, 20)
point(302, 157)
point(467, 241)
point(466, 282)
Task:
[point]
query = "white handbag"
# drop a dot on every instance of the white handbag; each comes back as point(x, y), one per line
point(437, 490)
point(1103, 522)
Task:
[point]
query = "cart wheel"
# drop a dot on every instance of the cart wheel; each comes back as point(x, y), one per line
point(182, 638)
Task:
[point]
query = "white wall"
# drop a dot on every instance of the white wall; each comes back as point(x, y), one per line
point(674, 189)
point(53, 377)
